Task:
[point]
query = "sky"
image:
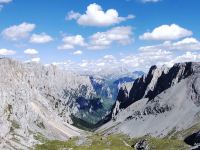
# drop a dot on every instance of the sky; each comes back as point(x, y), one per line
point(99, 34)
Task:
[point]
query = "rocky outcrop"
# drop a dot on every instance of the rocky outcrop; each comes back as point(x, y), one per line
point(193, 139)
point(165, 100)
point(141, 145)
point(155, 82)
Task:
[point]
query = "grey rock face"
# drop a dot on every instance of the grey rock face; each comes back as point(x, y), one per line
point(168, 100)
point(156, 81)
point(38, 100)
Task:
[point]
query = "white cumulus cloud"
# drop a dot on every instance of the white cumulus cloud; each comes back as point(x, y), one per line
point(36, 59)
point(31, 51)
point(187, 44)
point(138, 61)
point(18, 32)
point(144, 60)
point(166, 32)
point(69, 42)
point(5, 1)
point(40, 38)
point(102, 40)
point(96, 16)
point(187, 57)
point(78, 52)
point(6, 52)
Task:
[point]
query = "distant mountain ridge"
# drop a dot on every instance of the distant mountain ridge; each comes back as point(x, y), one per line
point(108, 86)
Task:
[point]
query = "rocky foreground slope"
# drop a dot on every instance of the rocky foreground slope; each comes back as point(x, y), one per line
point(38, 100)
point(165, 102)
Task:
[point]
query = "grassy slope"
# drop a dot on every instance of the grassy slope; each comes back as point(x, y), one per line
point(173, 141)
point(112, 142)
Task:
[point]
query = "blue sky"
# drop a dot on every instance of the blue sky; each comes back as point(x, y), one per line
point(95, 34)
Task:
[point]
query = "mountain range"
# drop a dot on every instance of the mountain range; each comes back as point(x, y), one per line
point(45, 100)
point(40, 103)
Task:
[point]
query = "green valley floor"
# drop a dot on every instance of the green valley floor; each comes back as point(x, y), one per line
point(111, 142)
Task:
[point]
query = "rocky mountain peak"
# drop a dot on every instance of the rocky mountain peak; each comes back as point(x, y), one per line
point(155, 82)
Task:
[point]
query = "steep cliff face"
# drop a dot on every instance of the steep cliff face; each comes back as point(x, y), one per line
point(155, 82)
point(38, 100)
point(163, 102)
